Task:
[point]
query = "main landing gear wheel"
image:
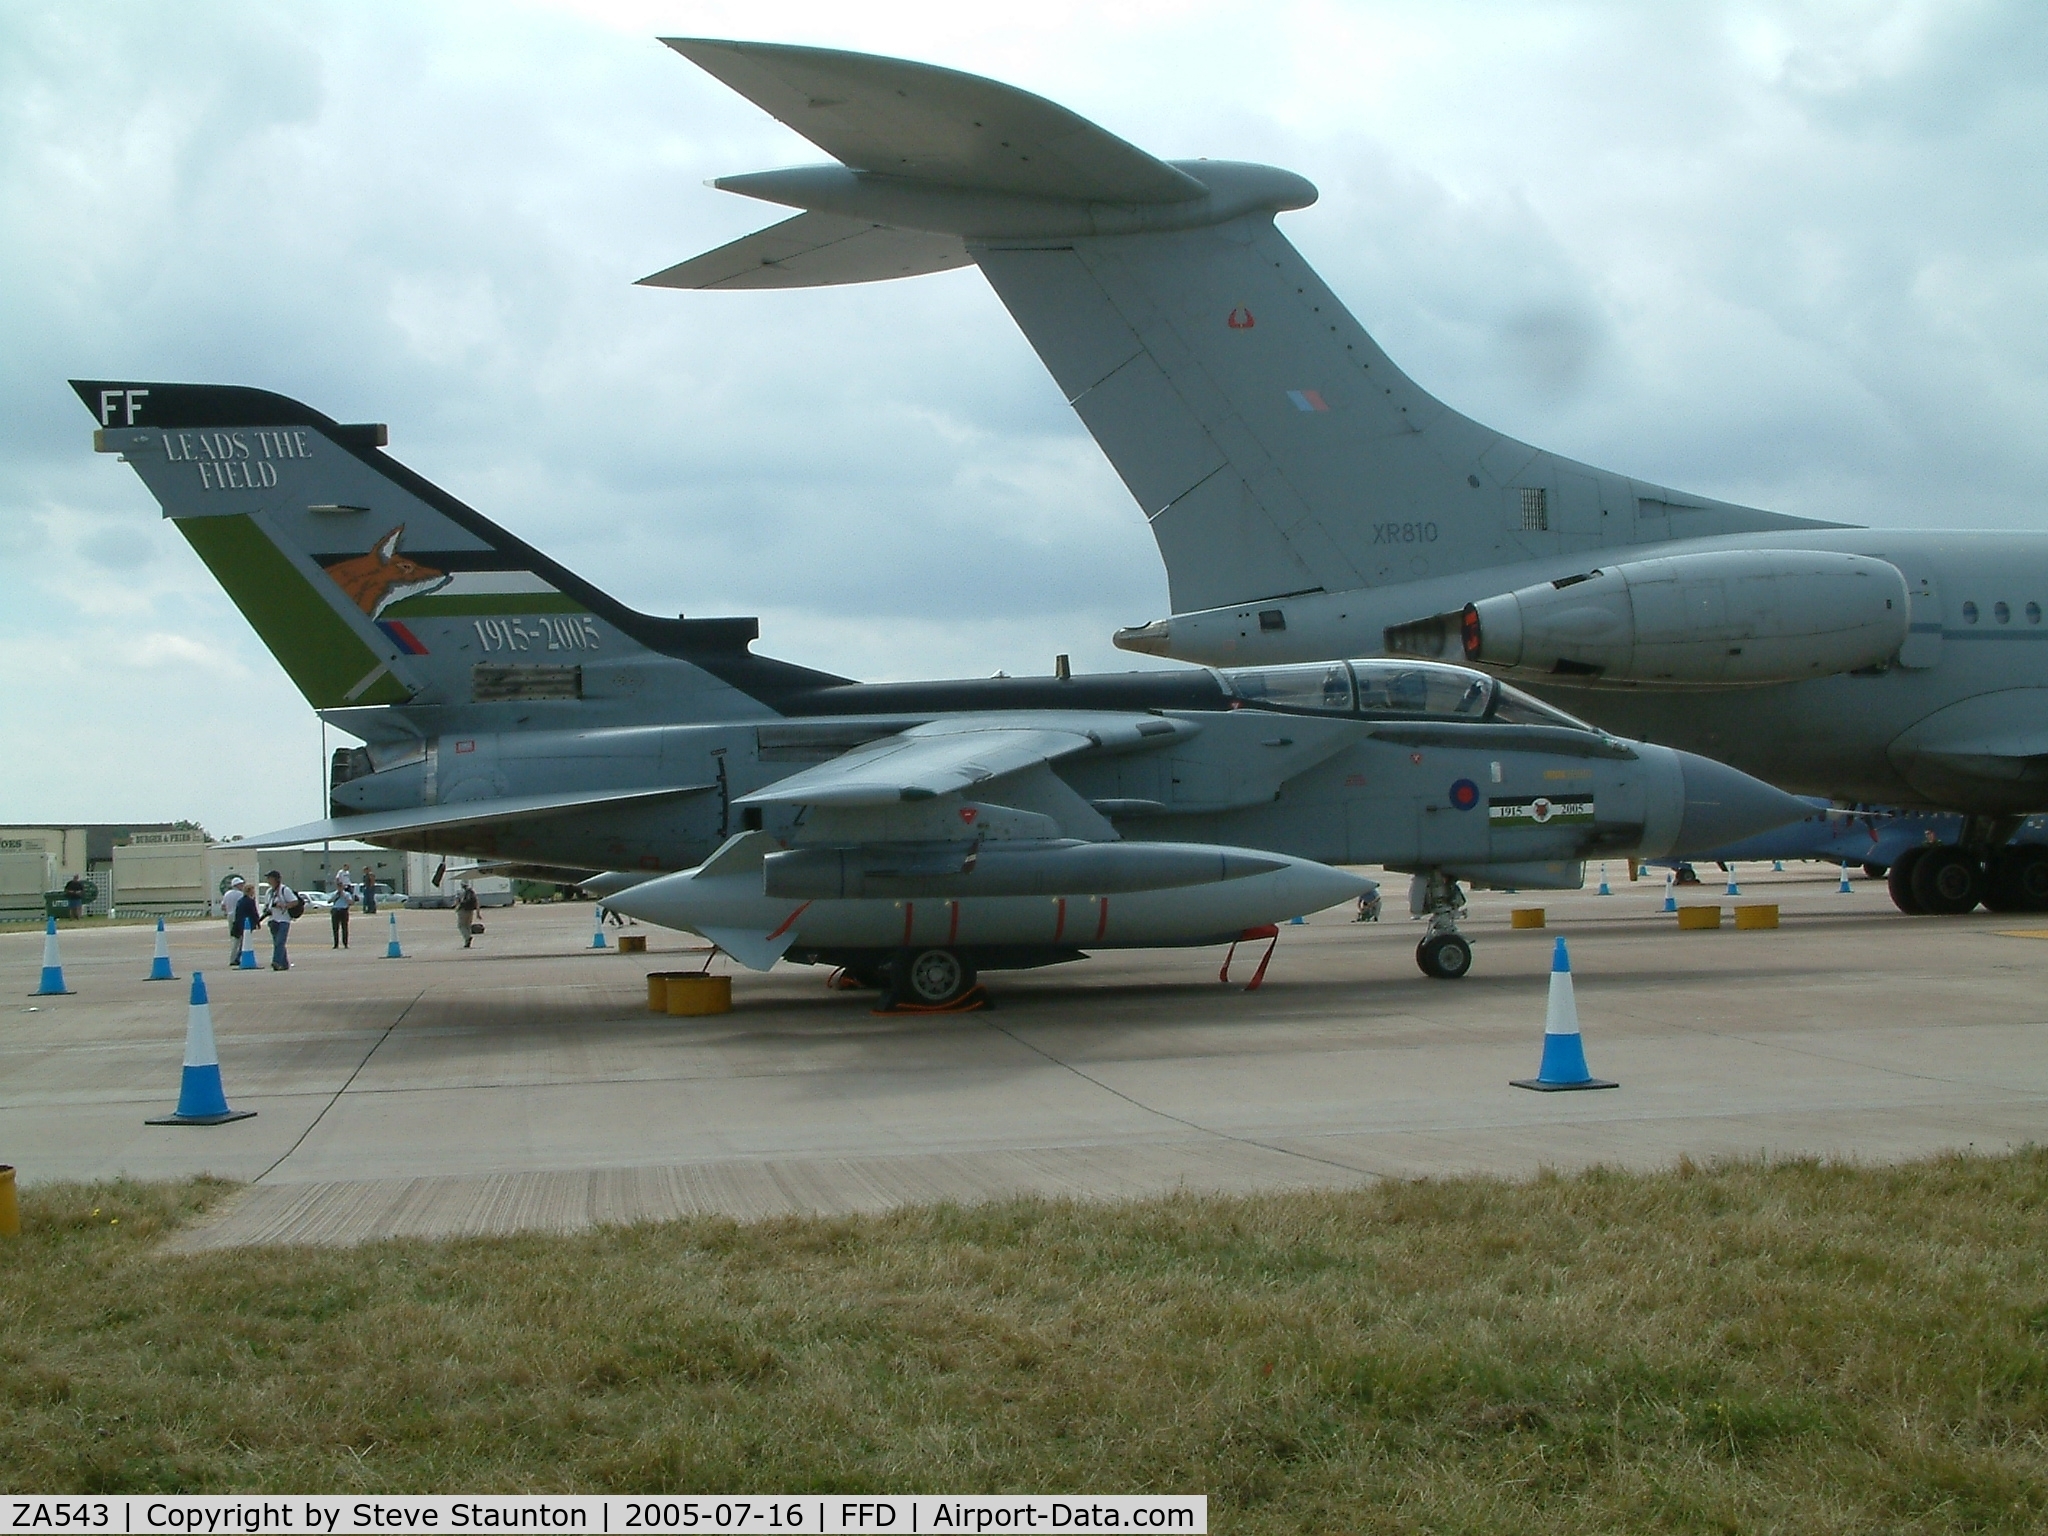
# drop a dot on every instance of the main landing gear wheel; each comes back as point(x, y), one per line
point(1947, 881)
point(2017, 880)
point(927, 977)
point(1876, 871)
point(1444, 956)
point(1898, 880)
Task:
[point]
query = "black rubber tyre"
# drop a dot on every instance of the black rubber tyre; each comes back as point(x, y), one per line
point(1876, 871)
point(1444, 956)
point(1947, 882)
point(2017, 880)
point(931, 977)
point(1899, 881)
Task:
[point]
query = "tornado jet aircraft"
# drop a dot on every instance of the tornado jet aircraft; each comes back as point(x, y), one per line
point(513, 712)
point(1309, 500)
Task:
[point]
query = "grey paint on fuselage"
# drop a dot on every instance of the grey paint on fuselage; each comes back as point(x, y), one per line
point(1848, 737)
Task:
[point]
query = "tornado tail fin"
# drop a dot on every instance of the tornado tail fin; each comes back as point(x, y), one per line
point(369, 584)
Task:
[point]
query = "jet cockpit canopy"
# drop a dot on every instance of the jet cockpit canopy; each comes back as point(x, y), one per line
point(1392, 688)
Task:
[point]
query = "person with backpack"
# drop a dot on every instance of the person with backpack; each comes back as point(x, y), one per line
point(466, 906)
point(238, 906)
point(285, 904)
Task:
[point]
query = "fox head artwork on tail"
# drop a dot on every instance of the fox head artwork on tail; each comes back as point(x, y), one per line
point(376, 580)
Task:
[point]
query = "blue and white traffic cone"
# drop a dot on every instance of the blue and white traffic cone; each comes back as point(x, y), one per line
point(1777, 866)
point(1564, 1053)
point(160, 967)
point(1670, 898)
point(1845, 881)
point(1733, 888)
point(597, 933)
point(248, 961)
point(391, 950)
point(52, 984)
point(1604, 889)
point(201, 1100)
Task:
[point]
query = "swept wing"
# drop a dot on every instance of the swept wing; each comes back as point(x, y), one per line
point(440, 818)
point(954, 755)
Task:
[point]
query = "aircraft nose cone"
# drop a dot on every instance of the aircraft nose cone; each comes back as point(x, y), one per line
point(1724, 805)
point(651, 901)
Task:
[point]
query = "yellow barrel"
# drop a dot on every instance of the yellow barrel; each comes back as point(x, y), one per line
point(10, 1209)
point(1525, 917)
point(1699, 917)
point(657, 988)
point(632, 943)
point(693, 992)
point(1760, 914)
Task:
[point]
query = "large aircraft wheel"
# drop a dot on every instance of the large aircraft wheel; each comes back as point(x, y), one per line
point(1947, 881)
point(1899, 881)
point(1444, 956)
point(931, 977)
point(2018, 880)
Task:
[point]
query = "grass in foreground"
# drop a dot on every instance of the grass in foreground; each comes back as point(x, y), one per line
point(1789, 1347)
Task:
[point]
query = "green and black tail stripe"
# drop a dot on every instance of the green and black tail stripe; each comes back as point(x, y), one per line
point(370, 584)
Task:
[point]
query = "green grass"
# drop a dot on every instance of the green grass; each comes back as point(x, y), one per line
point(1793, 1346)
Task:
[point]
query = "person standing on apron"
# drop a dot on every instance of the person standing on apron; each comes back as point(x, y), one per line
point(338, 909)
point(465, 913)
point(282, 900)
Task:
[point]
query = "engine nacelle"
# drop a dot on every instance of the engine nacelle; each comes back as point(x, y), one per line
point(1713, 619)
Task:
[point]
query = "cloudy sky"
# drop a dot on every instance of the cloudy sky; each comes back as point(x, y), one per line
point(1794, 255)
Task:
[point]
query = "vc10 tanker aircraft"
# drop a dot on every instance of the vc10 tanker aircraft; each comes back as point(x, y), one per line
point(1311, 501)
point(910, 832)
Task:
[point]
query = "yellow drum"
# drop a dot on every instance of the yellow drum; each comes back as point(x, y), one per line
point(693, 993)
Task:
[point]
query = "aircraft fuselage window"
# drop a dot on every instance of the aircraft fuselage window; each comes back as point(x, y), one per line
point(2033, 613)
point(1969, 613)
point(2001, 613)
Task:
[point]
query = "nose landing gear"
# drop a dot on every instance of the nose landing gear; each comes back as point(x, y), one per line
point(1444, 954)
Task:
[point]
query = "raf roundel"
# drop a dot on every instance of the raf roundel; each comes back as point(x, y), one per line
point(1464, 794)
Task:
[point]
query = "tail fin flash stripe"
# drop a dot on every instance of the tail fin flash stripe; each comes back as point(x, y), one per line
point(316, 646)
point(402, 637)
